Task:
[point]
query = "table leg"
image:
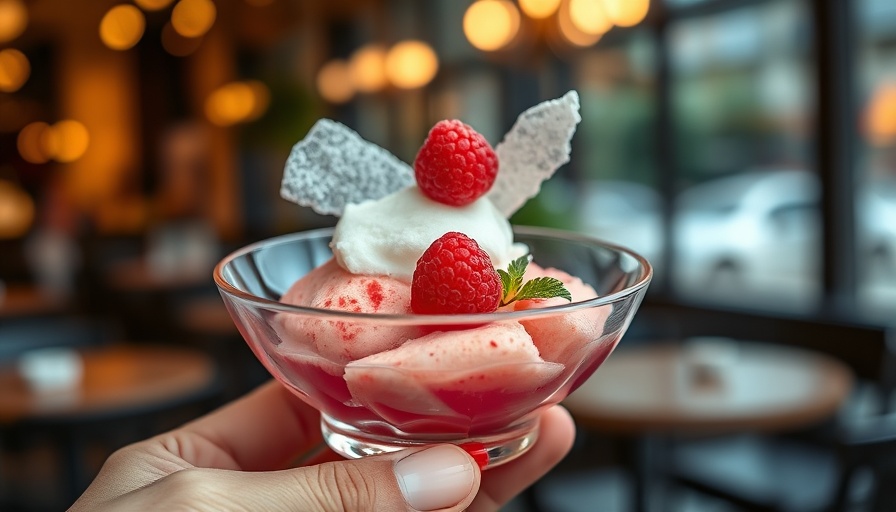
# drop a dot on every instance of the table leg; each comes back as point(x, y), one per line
point(645, 459)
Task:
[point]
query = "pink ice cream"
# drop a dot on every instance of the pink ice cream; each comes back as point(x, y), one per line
point(329, 286)
point(560, 337)
point(462, 380)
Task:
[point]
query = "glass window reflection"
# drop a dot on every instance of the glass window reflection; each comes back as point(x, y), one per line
point(746, 226)
point(614, 146)
point(876, 166)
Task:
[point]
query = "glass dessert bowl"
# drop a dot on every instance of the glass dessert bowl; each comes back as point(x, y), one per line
point(474, 380)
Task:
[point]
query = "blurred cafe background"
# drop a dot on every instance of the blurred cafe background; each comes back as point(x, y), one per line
point(747, 148)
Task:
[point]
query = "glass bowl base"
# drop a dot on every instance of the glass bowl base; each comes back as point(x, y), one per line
point(489, 451)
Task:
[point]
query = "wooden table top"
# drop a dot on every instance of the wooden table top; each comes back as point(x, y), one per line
point(116, 377)
point(139, 275)
point(207, 315)
point(747, 386)
point(24, 300)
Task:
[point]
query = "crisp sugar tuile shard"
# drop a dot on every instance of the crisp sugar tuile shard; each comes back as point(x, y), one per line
point(333, 166)
point(536, 146)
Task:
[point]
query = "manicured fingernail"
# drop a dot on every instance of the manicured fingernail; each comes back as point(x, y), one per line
point(436, 477)
point(478, 451)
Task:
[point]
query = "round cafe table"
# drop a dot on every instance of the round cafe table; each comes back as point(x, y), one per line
point(118, 380)
point(711, 387)
point(734, 387)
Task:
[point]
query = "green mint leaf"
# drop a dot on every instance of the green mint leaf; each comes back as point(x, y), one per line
point(517, 269)
point(543, 288)
point(538, 288)
point(506, 283)
point(512, 279)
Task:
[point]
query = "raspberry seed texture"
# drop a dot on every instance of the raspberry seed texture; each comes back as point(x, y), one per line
point(455, 165)
point(455, 276)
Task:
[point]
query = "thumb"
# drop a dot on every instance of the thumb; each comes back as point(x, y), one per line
point(438, 478)
point(442, 477)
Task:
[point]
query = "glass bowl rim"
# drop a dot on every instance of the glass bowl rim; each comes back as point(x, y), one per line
point(445, 319)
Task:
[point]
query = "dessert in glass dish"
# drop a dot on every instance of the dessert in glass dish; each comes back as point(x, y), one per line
point(424, 316)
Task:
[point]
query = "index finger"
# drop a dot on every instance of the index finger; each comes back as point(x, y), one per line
point(264, 430)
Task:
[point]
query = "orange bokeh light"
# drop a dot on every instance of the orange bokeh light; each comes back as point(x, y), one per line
point(334, 82)
point(491, 24)
point(193, 18)
point(122, 27)
point(411, 64)
point(13, 19)
point(16, 210)
point(14, 70)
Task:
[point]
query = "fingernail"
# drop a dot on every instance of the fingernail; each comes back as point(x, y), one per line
point(435, 478)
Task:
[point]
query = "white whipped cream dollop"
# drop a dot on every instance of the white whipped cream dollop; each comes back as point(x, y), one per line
point(387, 236)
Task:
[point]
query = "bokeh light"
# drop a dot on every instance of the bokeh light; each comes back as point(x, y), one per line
point(193, 18)
point(539, 9)
point(589, 16)
point(237, 102)
point(411, 64)
point(14, 70)
point(13, 19)
point(66, 141)
point(16, 210)
point(367, 67)
point(122, 27)
point(153, 5)
point(178, 45)
point(570, 32)
point(334, 82)
point(880, 116)
point(30, 143)
point(626, 13)
point(491, 24)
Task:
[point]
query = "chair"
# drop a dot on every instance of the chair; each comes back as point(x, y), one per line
point(819, 469)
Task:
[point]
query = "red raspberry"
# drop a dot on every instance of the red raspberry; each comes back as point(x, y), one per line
point(455, 276)
point(456, 164)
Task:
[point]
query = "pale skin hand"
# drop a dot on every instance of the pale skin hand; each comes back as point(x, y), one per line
point(239, 458)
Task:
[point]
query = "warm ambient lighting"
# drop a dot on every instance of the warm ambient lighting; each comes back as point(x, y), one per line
point(14, 70)
point(178, 45)
point(407, 65)
point(16, 210)
point(193, 18)
point(411, 64)
point(880, 116)
point(65, 141)
point(30, 143)
point(570, 32)
point(589, 16)
point(626, 13)
point(491, 24)
point(152, 5)
point(367, 67)
point(539, 9)
point(334, 82)
point(122, 27)
point(13, 19)
point(237, 102)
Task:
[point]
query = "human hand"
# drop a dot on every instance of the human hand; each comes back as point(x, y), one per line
point(239, 458)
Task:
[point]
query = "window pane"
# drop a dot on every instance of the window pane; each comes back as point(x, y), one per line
point(747, 222)
point(614, 146)
point(876, 193)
